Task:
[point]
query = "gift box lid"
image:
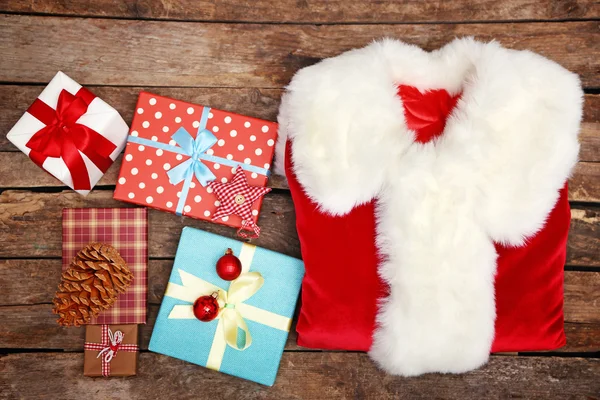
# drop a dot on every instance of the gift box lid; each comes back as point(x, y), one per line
point(191, 340)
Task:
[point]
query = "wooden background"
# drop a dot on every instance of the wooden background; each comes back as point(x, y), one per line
point(238, 56)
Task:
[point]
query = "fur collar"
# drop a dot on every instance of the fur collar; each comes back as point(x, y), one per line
point(493, 176)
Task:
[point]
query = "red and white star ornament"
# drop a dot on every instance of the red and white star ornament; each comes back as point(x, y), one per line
point(236, 198)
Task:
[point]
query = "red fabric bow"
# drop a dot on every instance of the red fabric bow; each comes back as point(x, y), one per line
point(64, 137)
point(250, 226)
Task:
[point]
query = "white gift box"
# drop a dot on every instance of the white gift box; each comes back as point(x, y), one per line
point(100, 117)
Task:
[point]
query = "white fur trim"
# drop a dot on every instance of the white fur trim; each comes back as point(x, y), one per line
point(494, 176)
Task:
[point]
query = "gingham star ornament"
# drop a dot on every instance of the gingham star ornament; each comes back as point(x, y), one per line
point(236, 198)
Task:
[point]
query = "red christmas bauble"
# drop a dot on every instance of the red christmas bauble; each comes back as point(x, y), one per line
point(206, 308)
point(229, 267)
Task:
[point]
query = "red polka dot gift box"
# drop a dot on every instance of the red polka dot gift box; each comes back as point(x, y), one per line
point(177, 152)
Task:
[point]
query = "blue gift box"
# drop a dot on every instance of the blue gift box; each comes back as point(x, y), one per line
point(266, 314)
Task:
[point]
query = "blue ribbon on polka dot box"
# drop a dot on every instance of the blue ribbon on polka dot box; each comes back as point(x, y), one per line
point(175, 148)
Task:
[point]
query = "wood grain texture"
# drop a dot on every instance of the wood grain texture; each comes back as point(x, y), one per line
point(30, 223)
point(157, 53)
point(302, 375)
point(583, 246)
point(34, 327)
point(34, 281)
point(30, 226)
point(29, 324)
point(582, 338)
point(238, 66)
point(259, 103)
point(30, 282)
point(590, 129)
point(18, 171)
point(314, 11)
point(584, 184)
point(582, 297)
point(589, 138)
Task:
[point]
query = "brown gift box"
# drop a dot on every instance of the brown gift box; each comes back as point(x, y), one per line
point(124, 360)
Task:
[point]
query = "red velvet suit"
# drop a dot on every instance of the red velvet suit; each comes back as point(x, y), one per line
point(341, 288)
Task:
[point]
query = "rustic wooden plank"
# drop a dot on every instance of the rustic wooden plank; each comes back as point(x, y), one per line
point(590, 129)
point(27, 324)
point(583, 245)
point(35, 327)
point(591, 110)
point(30, 223)
point(34, 281)
point(30, 226)
point(589, 137)
point(259, 103)
point(302, 375)
point(584, 184)
point(314, 11)
point(581, 338)
point(17, 171)
point(27, 282)
point(582, 297)
point(130, 53)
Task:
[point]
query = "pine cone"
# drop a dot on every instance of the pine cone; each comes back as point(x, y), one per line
point(92, 283)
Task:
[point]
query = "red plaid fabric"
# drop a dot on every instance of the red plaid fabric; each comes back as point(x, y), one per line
point(127, 230)
point(111, 344)
point(236, 198)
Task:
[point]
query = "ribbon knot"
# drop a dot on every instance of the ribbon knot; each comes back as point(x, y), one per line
point(192, 148)
point(240, 290)
point(109, 346)
point(114, 343)
point(114, 347)
point(64, 137)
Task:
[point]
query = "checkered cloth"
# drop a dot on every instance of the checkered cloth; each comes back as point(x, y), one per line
point(236, 198)
point(126, 229)
point(111, 344)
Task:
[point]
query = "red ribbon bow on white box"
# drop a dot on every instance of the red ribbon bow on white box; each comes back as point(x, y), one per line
point(64, 137)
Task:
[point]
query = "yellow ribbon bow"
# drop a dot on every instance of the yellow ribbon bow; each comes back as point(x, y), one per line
point(233, 311)
point(241, 289)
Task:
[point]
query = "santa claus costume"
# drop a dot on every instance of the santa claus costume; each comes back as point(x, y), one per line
point(431, 201)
